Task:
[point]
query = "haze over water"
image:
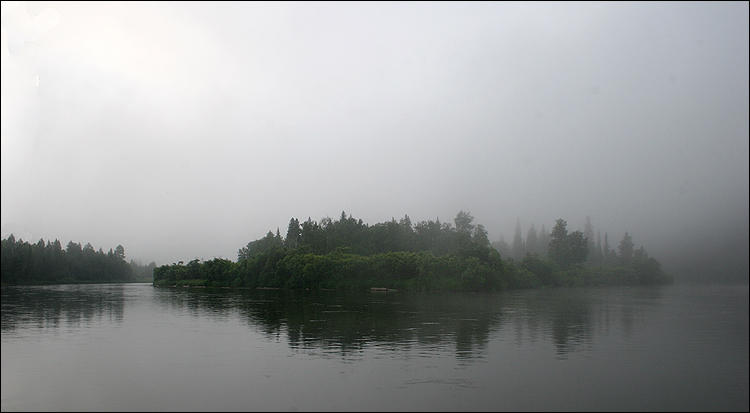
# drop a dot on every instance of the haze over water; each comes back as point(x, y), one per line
point(183, 131)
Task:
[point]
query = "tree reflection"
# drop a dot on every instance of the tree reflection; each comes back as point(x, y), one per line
point(463, 323)
point(573, 317)
point(61, 305)
point(346, 323)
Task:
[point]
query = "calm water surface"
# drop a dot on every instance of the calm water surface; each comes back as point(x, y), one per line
point(136, 347)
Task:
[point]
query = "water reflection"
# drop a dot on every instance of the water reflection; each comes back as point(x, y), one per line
point(573, 317)
point(94, 347)
point(50, 307)
point(347, 323)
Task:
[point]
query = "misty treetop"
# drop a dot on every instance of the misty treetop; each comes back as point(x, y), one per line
point(429, 255)
point(362, 239)
point(49, 263)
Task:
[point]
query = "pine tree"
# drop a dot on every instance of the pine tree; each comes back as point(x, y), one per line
point(293, 232)
point(588, 232)
point(606, 245)
point(518, 247)
point(532, 240)
point(626, 248)
point(557, 247)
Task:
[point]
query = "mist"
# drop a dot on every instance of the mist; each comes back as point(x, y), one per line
point(186, 130)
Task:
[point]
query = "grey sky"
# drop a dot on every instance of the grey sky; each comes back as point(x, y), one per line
point(185, 130)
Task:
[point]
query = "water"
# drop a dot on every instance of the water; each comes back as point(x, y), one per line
point(135, 347)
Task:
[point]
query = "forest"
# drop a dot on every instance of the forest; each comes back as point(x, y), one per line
point(48, 263)
point(348, 254)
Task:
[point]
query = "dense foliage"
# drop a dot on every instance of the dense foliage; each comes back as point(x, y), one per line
point(349, 254)
point(49, 263)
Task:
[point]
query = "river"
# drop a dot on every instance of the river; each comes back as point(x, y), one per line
point(134, 347)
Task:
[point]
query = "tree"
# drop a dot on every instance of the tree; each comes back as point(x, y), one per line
point(567, 249)
point(259, 246)
point(531, 240)
point(406, 223)
point(464, 228)
point(605, 252)
point(518, 247)
point(480, 236)
point(120, 252)
point(73, 249)
point(503, 248)
point(557, 247)
point(626, 248)
point(432, 236)
point(329, 230)
point(640, 254)
point(24, 263)
point(588, 232)
point(293, 233)
point(407, 233)
point(578, 247)
point(463, 222)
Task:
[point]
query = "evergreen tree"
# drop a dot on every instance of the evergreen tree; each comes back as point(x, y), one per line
point(120, 252)
point(293, 232)
point(578, 247)
point(464, 228)
point(480, 236)
point(73, 249)
point(531, 240)
point(606, 246)
point(518, 247)
point(463, 223)
point(407, 233)
point(503, 248)
point(626, 248)
point(567, 249)
point(24, 263)
point(588, 232)
point(557, 244)
point(262, 245)
point(405, 222)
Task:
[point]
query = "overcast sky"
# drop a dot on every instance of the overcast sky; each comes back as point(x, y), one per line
point(186, 130)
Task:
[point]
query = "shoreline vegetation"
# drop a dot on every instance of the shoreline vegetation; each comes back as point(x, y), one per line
point(347, 254)
point(48, 263)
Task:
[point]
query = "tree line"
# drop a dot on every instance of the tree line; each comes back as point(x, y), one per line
point(599, 252)
point(429, 255)
point(48, 263)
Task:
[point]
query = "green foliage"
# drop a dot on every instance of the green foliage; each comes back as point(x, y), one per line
point(48, 263)
point(626, 248)
point(543, 270)
point(258, 246)
point(293, 233)
point(521, 278)
point(346, 254)
point(567, 249)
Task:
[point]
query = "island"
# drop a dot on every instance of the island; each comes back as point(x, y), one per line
point(347, 254)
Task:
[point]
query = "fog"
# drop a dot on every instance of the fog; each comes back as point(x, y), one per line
point(186, 130)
